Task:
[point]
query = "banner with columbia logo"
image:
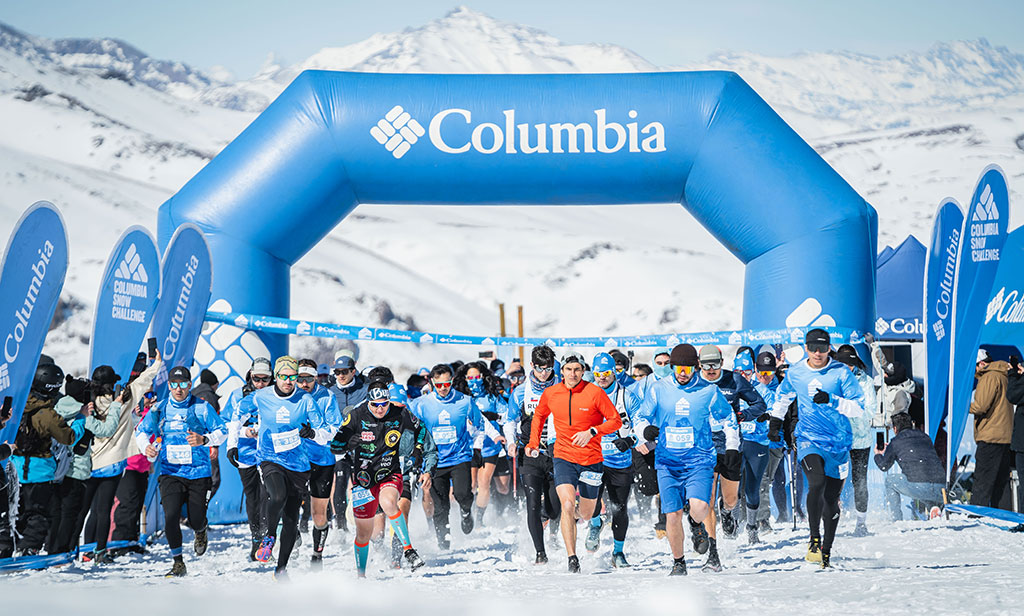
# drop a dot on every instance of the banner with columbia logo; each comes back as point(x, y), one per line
point(278, 325)
point(34, 266)
point(983, 234)
point(124, 308)
point(940, 277)
point(186, 276)
point(1004, 318)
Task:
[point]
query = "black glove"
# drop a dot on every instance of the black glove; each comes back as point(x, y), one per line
point(233, 456)
point(306, 432)
point(651, 433)
point(821, 397)
point(763, 417)
point(774, 425)
point(489, 415)
point(733, 459)
point(624, 443)
point(417, 459)
point(83, 443)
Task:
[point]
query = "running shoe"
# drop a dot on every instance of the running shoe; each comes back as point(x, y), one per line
point(177, 569)
point(266, 550)
point(201, 542)
point(414, 560)
point(594, 537)
point(619, 560)
point(699, 536)
point(574, 564)
point(813, 550)
point(678, 567)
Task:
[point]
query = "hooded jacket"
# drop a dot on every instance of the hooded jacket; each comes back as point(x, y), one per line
point(993, 414)
point(36, 465)
point(67, 407)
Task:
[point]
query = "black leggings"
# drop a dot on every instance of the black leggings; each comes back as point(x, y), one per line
point(255, 501)
point(285, 490)
point(859, 474)
point(542, 501)
point(99, 499)
point(131, 496)
point(342, 469)
point(822, 500)
point(175, 492)
point(617, 484)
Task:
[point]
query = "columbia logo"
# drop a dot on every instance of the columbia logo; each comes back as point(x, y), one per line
point(131, 267)
point(5, 377)
point(994, 305)
point(881, 326)
point(397, 131)
point(940, 330)
point(986, 207)
point(735, 338)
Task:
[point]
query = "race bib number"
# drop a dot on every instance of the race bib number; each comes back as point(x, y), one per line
point(179, 454)
point(715, 423)
point(748, 427)
point(360, 497)
point(679, 438)
point(591, 478)
point(608, 446)
point(283, 416)
point(844, 470)
point(285, 441)
point(444, 435)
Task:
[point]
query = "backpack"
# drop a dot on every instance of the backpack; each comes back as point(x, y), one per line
point(30, 443)
point(62, 458)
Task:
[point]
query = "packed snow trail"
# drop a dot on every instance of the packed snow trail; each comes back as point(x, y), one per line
point(956, 566)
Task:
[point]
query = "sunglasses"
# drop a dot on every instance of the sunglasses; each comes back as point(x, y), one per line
point(711, 365)
point(344, 371)
point(443, 385)
point(817, 347)
point(306, 379)
point(180, 384)
point(380, 405)
point(603, 374)
point(539, 368)
point(261, 379)
point(687, 370)
point(287, 377)
point(478, 377)
point(766, 373)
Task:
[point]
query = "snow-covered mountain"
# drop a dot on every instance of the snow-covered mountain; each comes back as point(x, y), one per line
point(108, 134)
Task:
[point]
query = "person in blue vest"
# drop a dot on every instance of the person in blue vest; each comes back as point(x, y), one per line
point(827, 396)
point(680, 413)
point(241, 449)
point(287, 415)
point(453, 422)
point(766, 384)
point(754, 441)
point(321, 459)
point(617, 451)
point(184, 427)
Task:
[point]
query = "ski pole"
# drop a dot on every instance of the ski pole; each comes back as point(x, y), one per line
point(792, 483)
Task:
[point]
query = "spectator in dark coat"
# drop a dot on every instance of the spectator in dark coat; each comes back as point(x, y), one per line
point(1015, 396)
point(921, 475)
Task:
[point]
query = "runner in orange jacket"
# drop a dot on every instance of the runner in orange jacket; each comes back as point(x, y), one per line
point(582, 414)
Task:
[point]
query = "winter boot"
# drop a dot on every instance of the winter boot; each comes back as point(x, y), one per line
point(178, 568)
point(201, 542)
point(814, 550)
point(678, 567)
point(574, 564)
point(699, 535)
point(712, 564)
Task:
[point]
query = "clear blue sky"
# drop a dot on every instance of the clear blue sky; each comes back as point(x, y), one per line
point(239, 35)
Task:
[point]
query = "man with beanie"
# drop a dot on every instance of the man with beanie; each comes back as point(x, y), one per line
point(581, 411)
point(680, 413)
point(179, 430)
point(993, 427)
point(729, 468)
point(827, 397)
point(287, 415)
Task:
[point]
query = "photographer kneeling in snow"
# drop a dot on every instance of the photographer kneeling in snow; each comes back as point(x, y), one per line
point(921, 475)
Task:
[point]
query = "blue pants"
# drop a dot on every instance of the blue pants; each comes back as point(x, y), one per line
point(755, 460)
point(897, 485)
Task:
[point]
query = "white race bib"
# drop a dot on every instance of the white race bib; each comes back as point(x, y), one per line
point(360, 497)
point(608, 446)
point(844, 470)
point(748, 427)
point(285, 441)
point(444, 435)
point(591, 478)
point(679, 437)
point(179, 454)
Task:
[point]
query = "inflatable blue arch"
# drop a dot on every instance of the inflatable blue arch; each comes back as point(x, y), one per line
point(705, 140)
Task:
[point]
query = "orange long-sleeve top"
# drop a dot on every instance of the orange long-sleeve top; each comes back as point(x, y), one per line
point(575, 410)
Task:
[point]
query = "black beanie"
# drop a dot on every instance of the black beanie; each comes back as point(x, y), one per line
point(208, 377)
point(899, 374)
point(684, 355)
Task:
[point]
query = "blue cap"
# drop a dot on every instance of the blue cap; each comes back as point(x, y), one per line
point(742, 362)
point(323, 369)
point(344, 363)
point(603, 362)
point(397, 393)
point(662, 351)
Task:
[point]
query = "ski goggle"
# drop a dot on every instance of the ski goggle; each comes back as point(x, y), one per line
point(306, 379)
point(179, 384)
point(287, 377)
point(687, 370)
point(817, 347)
point(711, 365)
point(603, 374)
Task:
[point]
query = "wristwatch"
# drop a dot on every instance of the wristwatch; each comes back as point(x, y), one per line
point(593, 431)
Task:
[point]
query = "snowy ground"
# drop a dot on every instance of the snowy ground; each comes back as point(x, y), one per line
point(957, 566)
